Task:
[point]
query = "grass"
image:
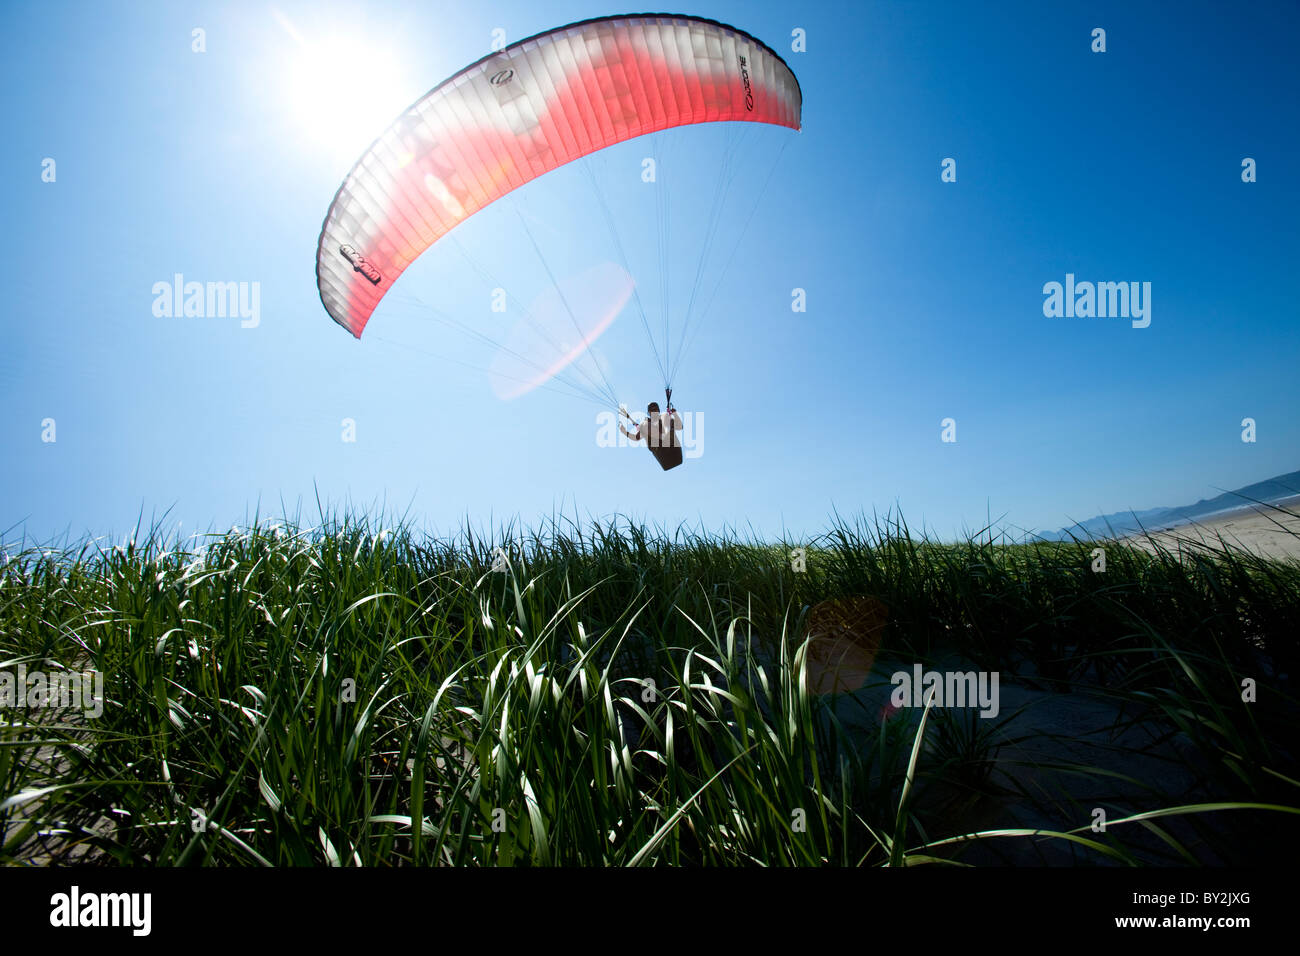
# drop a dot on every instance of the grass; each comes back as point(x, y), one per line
point(612, 695)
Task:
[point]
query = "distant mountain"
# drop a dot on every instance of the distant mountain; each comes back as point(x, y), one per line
point(1121, 523)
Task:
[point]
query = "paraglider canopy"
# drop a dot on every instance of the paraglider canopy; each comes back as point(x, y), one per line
point(523, 111)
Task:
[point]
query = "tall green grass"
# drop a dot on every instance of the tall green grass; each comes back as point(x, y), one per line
point(351, 694)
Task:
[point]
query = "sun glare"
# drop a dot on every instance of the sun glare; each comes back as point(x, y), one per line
point(342, 89)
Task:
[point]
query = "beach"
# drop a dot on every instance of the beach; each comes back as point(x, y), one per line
point(1268, 530)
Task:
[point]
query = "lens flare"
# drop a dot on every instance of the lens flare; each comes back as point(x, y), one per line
point(557, 334)
point(844, 636)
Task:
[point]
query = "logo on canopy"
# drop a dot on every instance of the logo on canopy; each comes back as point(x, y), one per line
point(749, 90)
point(361, 264)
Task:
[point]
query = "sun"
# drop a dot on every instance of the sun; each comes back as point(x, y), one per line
point(342, 89)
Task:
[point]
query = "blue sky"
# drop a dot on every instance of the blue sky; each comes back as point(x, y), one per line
point(924, 298)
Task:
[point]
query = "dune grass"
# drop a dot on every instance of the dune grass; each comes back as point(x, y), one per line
point(351, 694)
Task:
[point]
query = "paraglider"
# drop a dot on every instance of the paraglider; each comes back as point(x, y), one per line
point(661, 432)
point(521, 112)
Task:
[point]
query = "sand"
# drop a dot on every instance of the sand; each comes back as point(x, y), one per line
point(1055, 757)
point(1258, 529)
